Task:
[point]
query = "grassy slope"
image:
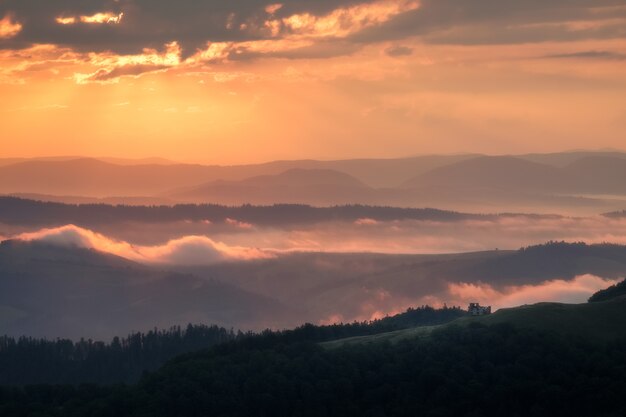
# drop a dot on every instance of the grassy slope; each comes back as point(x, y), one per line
point(601, 321)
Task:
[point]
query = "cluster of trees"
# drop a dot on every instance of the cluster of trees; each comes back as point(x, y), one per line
point(123, 360)
point(28, 360)
point(614, 291)
point(474, 370)
point(560, 249)
point(30, 212)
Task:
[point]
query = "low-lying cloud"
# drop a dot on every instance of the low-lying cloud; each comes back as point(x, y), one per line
point(188, 250)
point(371, 235)
point(380, 303)
point(577, 290)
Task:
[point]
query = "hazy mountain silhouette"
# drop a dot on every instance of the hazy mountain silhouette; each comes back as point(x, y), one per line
point(561, 159)
point(97, 178)
point(58, 291)
point(598, 174)
point(312, 186)
point(495, 172)
point(572, 181)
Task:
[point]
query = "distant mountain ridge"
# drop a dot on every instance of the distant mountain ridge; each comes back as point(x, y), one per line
point(296, 185)
point(552, 182)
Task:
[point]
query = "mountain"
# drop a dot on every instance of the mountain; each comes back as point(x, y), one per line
point(562, 159)
point(573, 182)
point(302, 186)
point(53, 291)
point(89, 177)
point(585, 174)
point(495, 172)
point(598, 175)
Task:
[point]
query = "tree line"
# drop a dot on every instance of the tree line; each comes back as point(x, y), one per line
point(29, 360)
point(473, 370)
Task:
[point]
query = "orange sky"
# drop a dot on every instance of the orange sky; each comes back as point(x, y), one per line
point(271, 81)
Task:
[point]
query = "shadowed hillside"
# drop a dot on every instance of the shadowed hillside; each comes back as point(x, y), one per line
point(58, 291)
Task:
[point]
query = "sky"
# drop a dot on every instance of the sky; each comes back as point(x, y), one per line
point(244, 81)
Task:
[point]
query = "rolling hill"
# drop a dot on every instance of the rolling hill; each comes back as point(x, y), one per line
point(535, 360)
point(71, 291)
point(57, 291)
point(598, 322)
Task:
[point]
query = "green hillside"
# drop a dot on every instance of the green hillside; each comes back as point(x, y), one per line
point(601, 321)
point(598, 322)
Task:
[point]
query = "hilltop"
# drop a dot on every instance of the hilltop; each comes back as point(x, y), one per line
point(512, 363)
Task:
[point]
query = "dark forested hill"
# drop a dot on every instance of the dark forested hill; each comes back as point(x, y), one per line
point(29, 212)
point(28, 360)
point(473, 370)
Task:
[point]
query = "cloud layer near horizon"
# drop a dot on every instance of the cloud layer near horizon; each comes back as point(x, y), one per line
point(363, 235)
point(380, 303)
point(188, 250)
point(368, 302)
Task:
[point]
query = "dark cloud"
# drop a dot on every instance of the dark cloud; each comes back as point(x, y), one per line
point(590, 55)
point(192, 23)
point(399, 51)
point(469, 22)
point(150, 23)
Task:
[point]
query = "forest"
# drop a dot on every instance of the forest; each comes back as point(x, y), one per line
point(124, 360)
point(470, 370)
point(30, 212)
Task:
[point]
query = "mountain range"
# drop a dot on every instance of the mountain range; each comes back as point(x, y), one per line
point(570, 182)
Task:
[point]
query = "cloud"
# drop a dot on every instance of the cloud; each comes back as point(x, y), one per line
point(215, 31)
point(399, 51)
point(366, 222)
point(111, 67)
point(9, 28)
point(468, 22)
point(238, 224)
point(128, 26)
point(378, 303)
point(590, 55)
point(188, 250)
point(577, 290)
